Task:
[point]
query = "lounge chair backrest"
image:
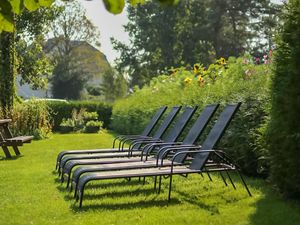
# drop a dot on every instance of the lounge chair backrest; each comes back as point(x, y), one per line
point(214, 135)
point(198, 128)
point(200, 124)
point(167, 122)
point(180, 124)
point(154, 121)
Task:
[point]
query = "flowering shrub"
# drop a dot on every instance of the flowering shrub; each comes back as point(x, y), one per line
point(225, 81)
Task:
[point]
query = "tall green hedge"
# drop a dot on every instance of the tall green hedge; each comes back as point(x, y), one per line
point(236, 80)
point(284, 127)
point(60, 110)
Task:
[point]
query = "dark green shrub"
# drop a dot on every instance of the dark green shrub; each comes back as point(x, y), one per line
point(93, 126)
point(67, 125)
point(60, 110)
point(30, 118)
point(284, 127)
point(237, 80)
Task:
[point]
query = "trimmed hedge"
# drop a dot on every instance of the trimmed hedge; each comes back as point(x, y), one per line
point(60, 110)
point(284, 127)
point(237, 80)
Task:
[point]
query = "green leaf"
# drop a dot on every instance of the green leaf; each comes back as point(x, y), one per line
point(16, 6)
point(135, 2)
point(169, 2)
point(114, 6)
point(6, 23)
point(31, 5)
point(46, 3)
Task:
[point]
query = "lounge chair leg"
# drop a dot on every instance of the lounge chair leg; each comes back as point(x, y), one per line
point(16, 150)
point(144, 180)
point(159, 185)
point(75, 191)
point(68, 181)
point(209, 176)
point(170, 188)
point(81, 198)
point(223, 178)
point(245, 184)
point(6, 152)
point(231, 180)
point(201, 175)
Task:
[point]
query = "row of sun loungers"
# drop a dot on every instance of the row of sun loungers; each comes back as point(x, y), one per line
point(158, 155)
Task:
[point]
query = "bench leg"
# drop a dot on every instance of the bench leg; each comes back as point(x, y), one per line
point(6, 152)
point(16, 150)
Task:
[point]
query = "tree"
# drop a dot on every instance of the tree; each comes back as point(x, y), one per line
point(8, 8)
point(70, 30)
point(188, 33)
point(23, 57)
point(284, 127)
point(113, 86)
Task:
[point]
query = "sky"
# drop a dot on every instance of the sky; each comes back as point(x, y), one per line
point(108, 24)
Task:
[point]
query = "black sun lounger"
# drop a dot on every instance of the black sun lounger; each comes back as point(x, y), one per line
point(121, 138)
point(202, 161)
point(172, 136)
point(127, 163)
point(158, 134)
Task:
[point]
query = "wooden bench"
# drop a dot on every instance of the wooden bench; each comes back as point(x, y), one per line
point(7, 139)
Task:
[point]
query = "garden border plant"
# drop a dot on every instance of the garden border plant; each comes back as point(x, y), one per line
point(234, 80)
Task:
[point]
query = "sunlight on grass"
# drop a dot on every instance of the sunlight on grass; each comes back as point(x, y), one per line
point(31, 194)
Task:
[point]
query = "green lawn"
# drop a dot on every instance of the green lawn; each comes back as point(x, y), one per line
point(31, 194)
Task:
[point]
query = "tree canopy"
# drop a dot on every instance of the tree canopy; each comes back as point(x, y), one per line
point(8, 8)
point(193, 31)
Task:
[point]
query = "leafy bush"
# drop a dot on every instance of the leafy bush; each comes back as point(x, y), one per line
point(67, 125)
point(284, 128)
point(60, 110)
point(93, 126)
point(81, 121)
point(29, 118)
point(237, 80)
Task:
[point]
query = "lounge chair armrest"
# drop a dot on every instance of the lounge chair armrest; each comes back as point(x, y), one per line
point(167, 151)
point(147, 150)
point(180, 153)
point(149, 141)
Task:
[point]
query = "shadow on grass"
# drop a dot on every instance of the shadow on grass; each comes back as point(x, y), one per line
point(127, 206)
point(62, 186)
point(14, 157)
point(273, 209)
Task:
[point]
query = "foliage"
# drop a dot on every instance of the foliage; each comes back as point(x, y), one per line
point(9, 8)
point(60, 110)
point(81, 120)
point(29, 118)
point(190, 32)
point(70, 68)
point(21, 53)
point(237, 80)
point(196, 200)
point(93, 126)
point(113, 86)
point(284, 127)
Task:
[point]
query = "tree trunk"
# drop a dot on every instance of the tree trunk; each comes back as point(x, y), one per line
point(7, 69)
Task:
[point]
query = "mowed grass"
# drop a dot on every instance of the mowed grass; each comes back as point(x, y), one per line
point(31, 194)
